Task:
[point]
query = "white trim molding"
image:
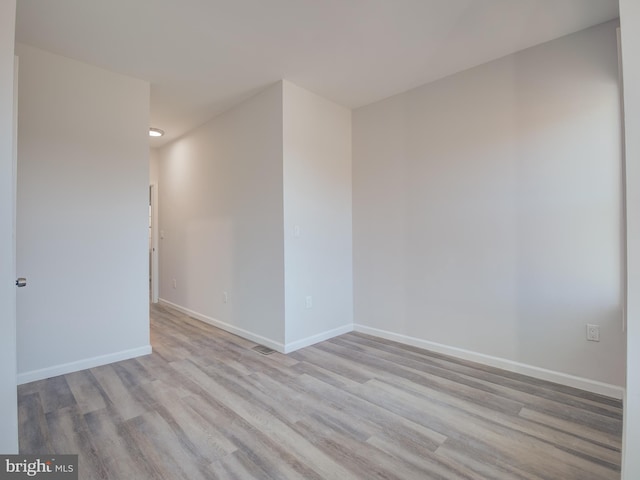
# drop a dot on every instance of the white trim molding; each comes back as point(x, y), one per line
point(84, 364)
point(267, 342)
point(320, 337)
point(259, 339)
point(155, 244)
point(581, 383)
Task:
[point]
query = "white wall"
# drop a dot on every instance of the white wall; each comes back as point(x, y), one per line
point(8, 398)
point(222, 219)
point(83, 185)
point(630, 30)
point(317, 217)
point(487, 212)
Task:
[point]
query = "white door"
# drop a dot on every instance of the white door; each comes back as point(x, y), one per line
point(8, 388)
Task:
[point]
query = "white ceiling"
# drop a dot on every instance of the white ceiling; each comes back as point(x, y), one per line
point(203, 56)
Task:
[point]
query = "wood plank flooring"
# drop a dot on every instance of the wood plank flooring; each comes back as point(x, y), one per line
point(205, 406)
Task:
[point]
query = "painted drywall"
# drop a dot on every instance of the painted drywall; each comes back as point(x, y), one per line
point(317, 217)
point(8, 397)
point(487, 211)
point(221, 220)
point(82, 213)
point(630, 39)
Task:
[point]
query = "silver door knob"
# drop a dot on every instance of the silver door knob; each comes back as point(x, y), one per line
point(21, 282)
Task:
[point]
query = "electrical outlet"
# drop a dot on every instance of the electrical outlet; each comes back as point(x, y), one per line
point(593, 332)
point(309, 301)
point(175, 284)
point(225, 297)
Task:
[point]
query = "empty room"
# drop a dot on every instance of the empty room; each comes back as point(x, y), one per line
point(303, 239)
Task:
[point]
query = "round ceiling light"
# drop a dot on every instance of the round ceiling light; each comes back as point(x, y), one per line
point(156, 132)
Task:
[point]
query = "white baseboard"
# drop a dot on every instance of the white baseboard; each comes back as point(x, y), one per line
point(277, 346)
point(593, 386)
point(76, 366)
point(267, 342)
point(320, 337)
point(581, 383)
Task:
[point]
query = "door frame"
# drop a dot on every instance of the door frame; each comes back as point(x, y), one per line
point(154, 266)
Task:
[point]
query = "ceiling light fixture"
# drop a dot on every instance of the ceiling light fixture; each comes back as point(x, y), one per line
point(156, 132)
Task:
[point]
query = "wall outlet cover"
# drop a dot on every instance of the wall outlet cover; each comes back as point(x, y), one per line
point(593, 332)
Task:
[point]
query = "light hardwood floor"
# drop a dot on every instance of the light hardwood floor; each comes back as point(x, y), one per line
point(205, 406)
